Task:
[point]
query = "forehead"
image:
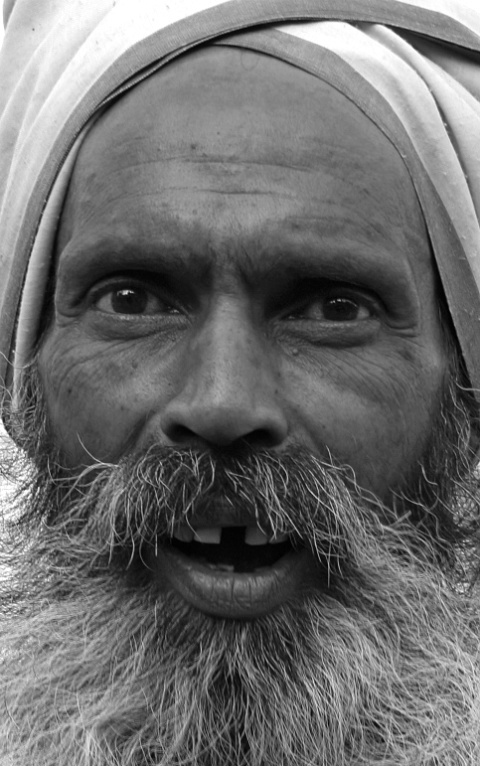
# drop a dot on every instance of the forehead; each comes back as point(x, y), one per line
point(273, 150)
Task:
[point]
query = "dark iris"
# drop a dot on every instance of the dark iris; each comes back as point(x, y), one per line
point(233, 550)
point(129, 301)
point(340, 310)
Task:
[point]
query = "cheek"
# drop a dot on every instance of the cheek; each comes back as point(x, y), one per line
point(95, 399)
point(372, 407)
point(373, 412)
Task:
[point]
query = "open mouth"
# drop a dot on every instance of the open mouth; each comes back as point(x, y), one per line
point(232, 572)
point(231, 549)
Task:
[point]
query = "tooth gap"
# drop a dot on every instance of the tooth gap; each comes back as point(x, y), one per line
point(233, 535)
point(242, 557)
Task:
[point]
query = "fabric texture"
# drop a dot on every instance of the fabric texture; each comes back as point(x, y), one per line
point(413, 67)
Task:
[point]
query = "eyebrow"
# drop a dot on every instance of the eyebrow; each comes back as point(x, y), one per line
point(390, 278)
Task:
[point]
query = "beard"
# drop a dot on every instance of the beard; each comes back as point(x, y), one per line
point(375, 663)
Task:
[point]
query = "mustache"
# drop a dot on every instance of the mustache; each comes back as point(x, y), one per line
point(125, 508)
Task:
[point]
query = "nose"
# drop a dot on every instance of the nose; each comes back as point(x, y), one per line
point(229, 390)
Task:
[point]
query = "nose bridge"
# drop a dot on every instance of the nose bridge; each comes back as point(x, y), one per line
point(228, 358)
point(228, 391)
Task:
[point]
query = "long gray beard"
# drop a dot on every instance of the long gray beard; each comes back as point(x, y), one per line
point(375, 666)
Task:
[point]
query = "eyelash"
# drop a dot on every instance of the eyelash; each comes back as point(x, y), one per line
point(322, 293)
point(116, 285)
point(338, 292)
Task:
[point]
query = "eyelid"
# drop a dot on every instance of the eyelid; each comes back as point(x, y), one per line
point(357, 291)
point(118, 282)
point(326, 289)
point(358, 296)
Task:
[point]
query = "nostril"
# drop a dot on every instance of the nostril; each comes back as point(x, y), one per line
point(262, 438)
point(179, 434)
point(223, 423)
point(259, 439)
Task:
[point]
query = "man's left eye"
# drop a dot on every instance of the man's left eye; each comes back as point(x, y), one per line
point(129, 299)
point(342, 309)
point(336, 308)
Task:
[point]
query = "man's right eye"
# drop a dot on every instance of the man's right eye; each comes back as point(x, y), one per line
point(130, 300)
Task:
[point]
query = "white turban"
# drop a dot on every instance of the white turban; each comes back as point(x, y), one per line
point(412, 66)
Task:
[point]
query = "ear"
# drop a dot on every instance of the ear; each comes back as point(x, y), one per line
point(7, 9)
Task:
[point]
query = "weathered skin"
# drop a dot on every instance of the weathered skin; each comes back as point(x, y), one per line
point(242, 261)
point(238, 194)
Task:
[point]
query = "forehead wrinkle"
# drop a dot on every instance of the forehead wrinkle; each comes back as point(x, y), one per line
point(234, 160)
point(257, 255)
point(94, 185)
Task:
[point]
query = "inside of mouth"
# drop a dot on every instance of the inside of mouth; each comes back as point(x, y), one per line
point(232, 553)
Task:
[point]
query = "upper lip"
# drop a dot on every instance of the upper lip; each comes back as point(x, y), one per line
point(218, 521)
point(223, 515)
point(254, 534)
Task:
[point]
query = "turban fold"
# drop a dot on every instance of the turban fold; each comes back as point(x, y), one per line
point(412, 67)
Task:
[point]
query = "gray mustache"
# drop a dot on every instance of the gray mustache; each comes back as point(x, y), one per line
point(140, 502)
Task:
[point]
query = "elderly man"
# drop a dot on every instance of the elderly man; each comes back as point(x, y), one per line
point(239, 328)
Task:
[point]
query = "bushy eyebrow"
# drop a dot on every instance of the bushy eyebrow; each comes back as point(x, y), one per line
point(259, 254)
point(282, 266)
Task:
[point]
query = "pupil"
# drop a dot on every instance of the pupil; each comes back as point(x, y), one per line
point(340, 309)
point(128, 301)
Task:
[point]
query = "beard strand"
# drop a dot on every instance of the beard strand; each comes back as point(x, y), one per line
point(376, 665)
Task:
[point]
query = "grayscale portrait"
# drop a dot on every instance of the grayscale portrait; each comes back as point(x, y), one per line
point(240, 370)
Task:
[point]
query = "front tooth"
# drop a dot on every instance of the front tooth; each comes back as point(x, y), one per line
point(184, 534)
point(255, 536)
point(208, 535)
point(279, 539)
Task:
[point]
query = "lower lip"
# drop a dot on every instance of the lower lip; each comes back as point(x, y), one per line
point(233, 595)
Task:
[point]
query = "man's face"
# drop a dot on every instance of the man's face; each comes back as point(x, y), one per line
point(245, 318)
point(243, 260)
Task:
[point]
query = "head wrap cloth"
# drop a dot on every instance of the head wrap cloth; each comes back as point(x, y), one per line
point(411, 67)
